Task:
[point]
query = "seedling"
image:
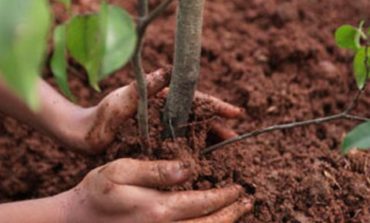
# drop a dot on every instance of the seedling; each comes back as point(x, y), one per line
point(101, 42)
point(351, 38)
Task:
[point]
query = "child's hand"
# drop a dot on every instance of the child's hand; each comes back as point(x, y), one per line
point(124, 191)
point(90, 130)
point(115, 109)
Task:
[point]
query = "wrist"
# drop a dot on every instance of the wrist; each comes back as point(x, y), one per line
point(74, 130)
point(70, 206)
point(43, 210)
point(62, 204)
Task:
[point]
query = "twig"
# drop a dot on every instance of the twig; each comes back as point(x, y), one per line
point(357, 118)
point(284, 126)
point(155, 13)
point(343, 115)
point(143, 8)
point(142, 110)
point(195, 123)
point(144, 20)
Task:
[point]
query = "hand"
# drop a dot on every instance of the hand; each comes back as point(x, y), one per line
point(220, 108)
point(121, 105)
point(90, 130)
point(123, 191)
point(116, 108)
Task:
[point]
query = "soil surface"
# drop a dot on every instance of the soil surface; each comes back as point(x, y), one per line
point(277, 59)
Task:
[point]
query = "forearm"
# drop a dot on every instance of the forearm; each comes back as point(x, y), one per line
point(45, 210)
point(56, 116)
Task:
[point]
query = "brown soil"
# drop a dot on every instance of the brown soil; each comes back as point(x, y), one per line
point(277, 59)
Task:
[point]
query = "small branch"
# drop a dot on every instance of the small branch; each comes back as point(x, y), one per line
point(142, 112)
point(143, 8)
point(290, 125)
point(343, 115)
point(357, 118)
point(154, 14)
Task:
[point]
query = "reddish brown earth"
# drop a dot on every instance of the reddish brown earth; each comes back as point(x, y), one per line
point(277, 59)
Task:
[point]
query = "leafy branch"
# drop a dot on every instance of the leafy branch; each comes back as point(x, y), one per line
point(346, 37)
point(145, 18)
point(101, 42)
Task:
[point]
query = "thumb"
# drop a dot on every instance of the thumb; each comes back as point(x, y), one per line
point(147, 173)
point(121, 105)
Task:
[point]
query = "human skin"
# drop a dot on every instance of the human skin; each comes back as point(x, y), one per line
point(90, 130)
point(122, 191)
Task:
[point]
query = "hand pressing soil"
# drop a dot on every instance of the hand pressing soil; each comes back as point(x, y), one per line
point(123, 191)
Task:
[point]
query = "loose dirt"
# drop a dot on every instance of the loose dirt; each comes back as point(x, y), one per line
point(277, 60)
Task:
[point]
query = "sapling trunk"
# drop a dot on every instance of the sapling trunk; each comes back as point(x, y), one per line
point(186, 66)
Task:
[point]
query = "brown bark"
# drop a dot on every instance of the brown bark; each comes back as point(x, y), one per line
point(186, 65)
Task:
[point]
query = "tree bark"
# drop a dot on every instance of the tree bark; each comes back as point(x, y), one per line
point(186, 66)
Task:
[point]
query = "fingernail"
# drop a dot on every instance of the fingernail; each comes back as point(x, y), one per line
point(245, 201)
point(238, 187)
point(181, 171)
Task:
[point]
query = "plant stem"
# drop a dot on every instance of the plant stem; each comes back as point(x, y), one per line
point(155, 13)
point(143, 8)
point(142, 110)
point(186, 65)
point(343, 115)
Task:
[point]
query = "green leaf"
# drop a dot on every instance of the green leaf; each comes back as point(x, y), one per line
point(59, 61)
point(120, 42)
point(85, 46)
point(357, 138)
point(348, 37)
point(359, 67)
point(23, 37)
point(101, 42)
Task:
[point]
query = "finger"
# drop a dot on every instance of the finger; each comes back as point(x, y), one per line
point(228, 214)
point(123, 101)
point(222, 108)
point(121, 105)
point(223, 132)
point(191, 204)
point(164, 92)
point(147, 173)
point(157, 80)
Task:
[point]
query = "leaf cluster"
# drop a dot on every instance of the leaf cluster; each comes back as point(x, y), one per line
point(352, 38)
point(101, 42)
